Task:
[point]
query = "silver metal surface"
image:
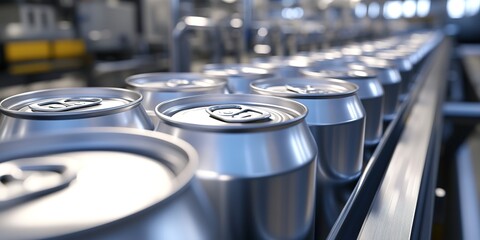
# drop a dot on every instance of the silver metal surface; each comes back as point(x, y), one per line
point(336, 119)
point(128, 184)
point(259, 175)
point(348, 224)
point(68, 108)
point(370, 92)
point(63, 104)
point(159, 87)
point(404, 67)
point(239, 75)
point(396, 200)
point(390, 79)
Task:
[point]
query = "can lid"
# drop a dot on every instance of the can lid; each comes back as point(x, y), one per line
point(69, 103)
point(386, 73)
point(304, 87)
point(375, 63)
point(340, 72)
point(400, 62)
point(173, 82)
point(87, 178)
point(235, 112)
point(237, 70)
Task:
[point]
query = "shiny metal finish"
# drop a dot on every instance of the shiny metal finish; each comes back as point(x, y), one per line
point(283, 66)
point(102, 183)
point(370, 93)
point(390, 79)
point(239, 75)
point(404, 67)
point(336, 119)
point(257, 161)
point(69, 108)
point(159, 87)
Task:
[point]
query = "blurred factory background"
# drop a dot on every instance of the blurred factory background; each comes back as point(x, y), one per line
point(100, 42)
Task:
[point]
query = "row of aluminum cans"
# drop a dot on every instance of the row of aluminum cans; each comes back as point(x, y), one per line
point(240, 151)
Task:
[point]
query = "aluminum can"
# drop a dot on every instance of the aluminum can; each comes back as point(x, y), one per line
point(257, 161)
point(159, 87)
point(404, 67)
point(336, 118)
point(102, 183)
point(283, 66)
point(370, 93)
point(390, 79)
point(239, 75)
point(64, 109)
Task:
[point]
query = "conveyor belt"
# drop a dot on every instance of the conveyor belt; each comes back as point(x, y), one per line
point(394, 197)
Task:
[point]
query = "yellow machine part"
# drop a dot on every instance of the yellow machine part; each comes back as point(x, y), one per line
point(30, 68)
point(68, 48)
point(26, 50)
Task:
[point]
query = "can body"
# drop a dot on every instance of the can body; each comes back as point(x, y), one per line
point(159, 87)
point(370, 92)
point(92, 200)
point(260, 177)
point(61, 110)
point(374, 124)
point(390, 80)
point(336, 119)
point(404, 67)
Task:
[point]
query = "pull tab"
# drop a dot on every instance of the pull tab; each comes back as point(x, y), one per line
point(177, 82)
point(64, 104)
point(307, 89)
point(19, 184)
point(237, 113)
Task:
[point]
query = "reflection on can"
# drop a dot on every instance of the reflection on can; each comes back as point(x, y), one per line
point(159, 87)
point(60, 110)
point(257, 161)
point(370, 92)
point(102, 183)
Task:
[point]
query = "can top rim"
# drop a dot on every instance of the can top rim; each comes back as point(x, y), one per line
point(182, 166)
point(402, 63)
point(340, 72)
point(332, 88)
point(294, 110)
point(160, 81)
point(374, 63)
point(10, 106)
